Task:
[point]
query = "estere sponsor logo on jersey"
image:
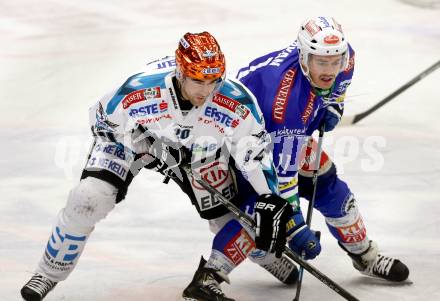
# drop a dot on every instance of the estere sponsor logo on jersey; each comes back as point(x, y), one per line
point(151, 109)
point(221, 117)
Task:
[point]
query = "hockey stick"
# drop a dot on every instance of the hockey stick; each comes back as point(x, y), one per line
point(311, 202)
point(246, 220)
point(358, 117)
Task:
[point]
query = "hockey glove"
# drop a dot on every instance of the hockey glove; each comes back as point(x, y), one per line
point(332, 116)
point(168, 156)
point(271, 215)
point(302, 240)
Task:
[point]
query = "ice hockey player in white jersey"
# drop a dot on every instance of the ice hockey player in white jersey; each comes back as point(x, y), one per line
point(178, 111)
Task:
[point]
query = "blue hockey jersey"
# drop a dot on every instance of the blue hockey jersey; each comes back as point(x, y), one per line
point(291, 107)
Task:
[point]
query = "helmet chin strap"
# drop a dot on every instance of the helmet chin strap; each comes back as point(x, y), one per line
point(304, 64)
point(179, 75)
point(180, 78)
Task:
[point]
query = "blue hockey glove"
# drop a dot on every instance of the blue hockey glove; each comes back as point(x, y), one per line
point(332, 116)
point(301, 238)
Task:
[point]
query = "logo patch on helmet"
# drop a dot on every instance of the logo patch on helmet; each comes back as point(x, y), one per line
point(209, 53)
point(331, 39)
point(312, 28)
point(338, 26)
point(324, 22)
point(184, 43)
point(211, 70)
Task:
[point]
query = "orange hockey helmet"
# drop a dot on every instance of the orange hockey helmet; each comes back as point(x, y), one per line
point(199, 56)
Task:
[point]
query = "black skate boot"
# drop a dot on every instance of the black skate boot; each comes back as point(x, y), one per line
point(373, 264)
point(283, 269)
point(37, 288)
point(205, 285)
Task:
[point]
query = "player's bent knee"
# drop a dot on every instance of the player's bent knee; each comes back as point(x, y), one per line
point(233, 242)
point(350, 214)
point(216, 224)
point(90, 201)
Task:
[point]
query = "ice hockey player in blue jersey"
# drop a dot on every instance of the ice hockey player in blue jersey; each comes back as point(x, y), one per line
point(177, 112)
point(299, 88)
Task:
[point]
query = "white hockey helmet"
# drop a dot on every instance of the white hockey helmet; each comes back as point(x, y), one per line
point(321, 36)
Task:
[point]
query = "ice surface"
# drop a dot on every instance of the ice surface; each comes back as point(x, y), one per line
point(58, 57)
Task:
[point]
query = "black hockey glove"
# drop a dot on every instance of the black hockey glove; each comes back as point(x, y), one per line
point(168, 156)
point(271, 215)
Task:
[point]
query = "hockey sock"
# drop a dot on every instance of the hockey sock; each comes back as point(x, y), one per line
point(230, 247)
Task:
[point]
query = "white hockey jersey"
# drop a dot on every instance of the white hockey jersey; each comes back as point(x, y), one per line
point(231, 118)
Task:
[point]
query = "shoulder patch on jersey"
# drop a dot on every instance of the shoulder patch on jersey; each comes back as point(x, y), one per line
point(342, 86)
point(231, 89)
point(289, 51)
point(140, 95)
point(137, 82)
point(239, 93)
point(163, 63)
point(231, 104)
point(144, 80)
point(102, 122)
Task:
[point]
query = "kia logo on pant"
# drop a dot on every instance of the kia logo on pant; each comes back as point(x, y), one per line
point(215, 175)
